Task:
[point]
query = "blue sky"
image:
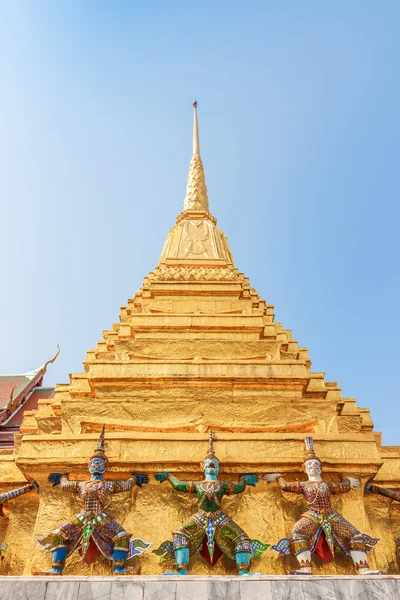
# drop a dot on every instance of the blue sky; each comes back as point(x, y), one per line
point(299, 126)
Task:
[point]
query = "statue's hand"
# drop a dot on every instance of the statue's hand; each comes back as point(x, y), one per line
point(250, 478)
point(163, 476)
point(271, 477)
point(141, 478)
point(34, 486)
point(55, 478)
point(354, 482)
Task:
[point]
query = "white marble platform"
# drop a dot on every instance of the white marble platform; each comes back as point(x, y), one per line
point(385, 587)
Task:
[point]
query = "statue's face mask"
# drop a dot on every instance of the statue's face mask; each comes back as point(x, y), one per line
point(313, 467)
point(211, 467)
point(97, 465)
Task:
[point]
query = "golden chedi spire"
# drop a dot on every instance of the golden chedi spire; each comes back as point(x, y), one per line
point(195, 238)
point(196, 192)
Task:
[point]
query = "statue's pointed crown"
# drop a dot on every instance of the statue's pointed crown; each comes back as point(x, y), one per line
point(211, 451)
point(309, 449)
point(99, 451)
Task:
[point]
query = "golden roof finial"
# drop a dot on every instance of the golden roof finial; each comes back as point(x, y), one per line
point(44, 368)
point(196, 191)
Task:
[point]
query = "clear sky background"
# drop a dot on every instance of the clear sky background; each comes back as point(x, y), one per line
point(299, 131)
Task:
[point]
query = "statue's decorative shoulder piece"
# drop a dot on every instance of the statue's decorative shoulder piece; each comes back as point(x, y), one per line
point(321, 528)
point(93, 531)
point(210, 530)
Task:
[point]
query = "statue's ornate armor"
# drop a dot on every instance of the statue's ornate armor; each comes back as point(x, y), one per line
point(92, 529)
point(321, 527)
point(210, 529)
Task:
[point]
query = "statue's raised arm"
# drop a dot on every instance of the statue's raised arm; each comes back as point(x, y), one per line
point(7, 496)
point(375, 489)
point(245, 479)
point(287, 486)
point(65, 484)
point(345, 486)
point(120, 487)
point(386, 493)
point(177, 484)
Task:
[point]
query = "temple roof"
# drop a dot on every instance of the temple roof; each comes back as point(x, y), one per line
point(15, 390)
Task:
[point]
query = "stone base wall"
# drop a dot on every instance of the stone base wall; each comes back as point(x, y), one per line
point(201, 588)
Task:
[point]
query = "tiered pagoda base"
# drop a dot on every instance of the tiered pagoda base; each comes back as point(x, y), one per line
point(164, 587)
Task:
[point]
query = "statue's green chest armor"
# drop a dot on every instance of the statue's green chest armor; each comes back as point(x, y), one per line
point(209, 495)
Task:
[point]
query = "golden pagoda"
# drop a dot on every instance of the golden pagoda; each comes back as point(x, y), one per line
point(196, 349)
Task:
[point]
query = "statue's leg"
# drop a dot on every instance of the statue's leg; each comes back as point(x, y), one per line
point(120, 551)
point(360, 561)
point(61, 542)
point(243, 561)
point(119, 560)
point(358, 552)
point(181, 545)
point(243, 551)
point(58, 557)
point(304, 560)
point(182, 560)
point(181, 548)
point(359, 556)
point(300, 548)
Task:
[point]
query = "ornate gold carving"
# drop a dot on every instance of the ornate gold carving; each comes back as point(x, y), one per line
point(196, 192)
point(196, 239)
point(201, 273)
point(91, 427)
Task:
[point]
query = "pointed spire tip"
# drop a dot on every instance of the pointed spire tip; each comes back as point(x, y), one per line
point(196, 142)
